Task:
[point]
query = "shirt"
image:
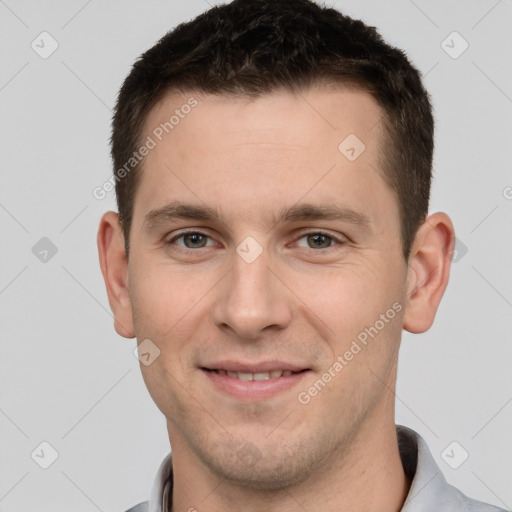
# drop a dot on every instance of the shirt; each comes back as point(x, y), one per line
point(429, 491)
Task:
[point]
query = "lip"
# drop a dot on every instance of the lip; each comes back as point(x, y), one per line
point(264, 366)
point(253, 390)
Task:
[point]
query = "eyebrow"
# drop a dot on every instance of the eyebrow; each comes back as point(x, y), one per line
point(301, 212)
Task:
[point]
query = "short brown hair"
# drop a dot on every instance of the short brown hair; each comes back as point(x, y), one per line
point(252, 47)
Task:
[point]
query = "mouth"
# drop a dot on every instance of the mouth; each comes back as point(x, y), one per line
point(272, 374)
point(247, 382)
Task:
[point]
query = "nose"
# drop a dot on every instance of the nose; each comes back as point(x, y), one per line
point(252, 299)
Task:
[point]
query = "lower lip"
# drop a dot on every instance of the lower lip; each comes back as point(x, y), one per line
point(254, 389)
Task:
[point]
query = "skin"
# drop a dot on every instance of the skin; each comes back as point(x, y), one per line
point(295, 302)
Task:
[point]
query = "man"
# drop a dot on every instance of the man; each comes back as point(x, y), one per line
point(273, 164)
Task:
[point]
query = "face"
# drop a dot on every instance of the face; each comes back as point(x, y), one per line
point(257, 279)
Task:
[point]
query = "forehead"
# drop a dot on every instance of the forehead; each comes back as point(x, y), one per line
point(290, 116)
point(254, 153)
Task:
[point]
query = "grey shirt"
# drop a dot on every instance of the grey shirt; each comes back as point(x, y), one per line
point(429, 490)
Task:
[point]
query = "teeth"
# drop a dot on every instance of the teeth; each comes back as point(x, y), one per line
point(274, 374)
point(261, 376)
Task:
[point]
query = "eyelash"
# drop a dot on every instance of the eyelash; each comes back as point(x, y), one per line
point(186, 250)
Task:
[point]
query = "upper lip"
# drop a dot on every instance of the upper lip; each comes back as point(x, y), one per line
point(264, 366)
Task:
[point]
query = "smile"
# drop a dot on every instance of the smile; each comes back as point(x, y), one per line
point(273, 374)
point(258, 384)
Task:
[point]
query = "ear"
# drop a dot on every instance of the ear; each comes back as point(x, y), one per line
point(429, 270)
point(114, 267)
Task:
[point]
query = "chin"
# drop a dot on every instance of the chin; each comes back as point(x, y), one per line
point(263, 465)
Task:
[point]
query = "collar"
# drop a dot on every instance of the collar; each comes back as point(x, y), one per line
point(429, 489)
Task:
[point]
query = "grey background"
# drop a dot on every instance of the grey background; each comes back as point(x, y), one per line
point(68, 379)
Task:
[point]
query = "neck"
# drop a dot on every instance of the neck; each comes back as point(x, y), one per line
point(368, 476)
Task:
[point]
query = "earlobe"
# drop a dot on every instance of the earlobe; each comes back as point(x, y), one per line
point(429, 270)
point(114, 267)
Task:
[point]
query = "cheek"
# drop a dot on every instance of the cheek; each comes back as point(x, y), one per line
point(161, 298)
point(163, 313)
point(168, 306)
point(351, 296)
point(362, 304)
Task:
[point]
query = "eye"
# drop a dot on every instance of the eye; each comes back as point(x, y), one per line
point(320, 240)
point(191, 239)
point(194, 240)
